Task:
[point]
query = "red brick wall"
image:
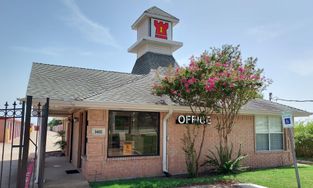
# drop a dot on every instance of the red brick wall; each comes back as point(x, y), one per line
point(243, 133)
point(96, 166)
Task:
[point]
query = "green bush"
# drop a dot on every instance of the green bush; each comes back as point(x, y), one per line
point(304, 139)
point(223, 161)
point(61, 143)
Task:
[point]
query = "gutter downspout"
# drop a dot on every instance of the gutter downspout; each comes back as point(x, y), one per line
point(165, 139)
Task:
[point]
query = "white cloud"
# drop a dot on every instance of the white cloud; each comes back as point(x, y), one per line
point(302, 67)
point(264, 33)
point(92, 30)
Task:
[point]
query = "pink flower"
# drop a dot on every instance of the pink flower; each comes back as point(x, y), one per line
point(211, 84)
point(177, 69)
point(186, 85)
point(209, 87)
point(241, 69)
point(192, 80)
point(188, 90)
point(173, 92)
point(254, 77)
point(218, 64)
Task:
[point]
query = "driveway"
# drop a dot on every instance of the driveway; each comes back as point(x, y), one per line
point(51, 138)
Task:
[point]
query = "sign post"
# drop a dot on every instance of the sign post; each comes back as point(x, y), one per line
point(288, 124)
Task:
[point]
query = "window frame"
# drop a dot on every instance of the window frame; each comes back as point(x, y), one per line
point(132, 156)
point(269, 134)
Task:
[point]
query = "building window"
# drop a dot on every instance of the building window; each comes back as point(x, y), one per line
point(269, 133)
point(133, 133)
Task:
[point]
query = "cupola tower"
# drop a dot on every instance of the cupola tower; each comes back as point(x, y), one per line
point(155, 45)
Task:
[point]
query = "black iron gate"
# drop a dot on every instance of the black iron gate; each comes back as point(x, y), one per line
point(19, 138)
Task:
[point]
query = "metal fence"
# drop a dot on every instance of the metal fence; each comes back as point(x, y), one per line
point(17, 137)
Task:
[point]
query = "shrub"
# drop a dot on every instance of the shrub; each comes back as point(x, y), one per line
point(61, 143)
point(222, 161)
point(304, 139)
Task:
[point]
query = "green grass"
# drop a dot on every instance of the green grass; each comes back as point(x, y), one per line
point(283, 177)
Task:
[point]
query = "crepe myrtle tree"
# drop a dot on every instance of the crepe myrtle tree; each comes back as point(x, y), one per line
point(218, 81)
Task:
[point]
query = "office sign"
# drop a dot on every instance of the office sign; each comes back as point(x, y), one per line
point(192, 119)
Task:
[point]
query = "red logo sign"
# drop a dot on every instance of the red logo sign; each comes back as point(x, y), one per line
point(160, 29)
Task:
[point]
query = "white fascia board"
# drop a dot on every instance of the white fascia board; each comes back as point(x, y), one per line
point(146, 40)
point(146, 107)
point(136, 23)
point(125, 106)
point(258, 112)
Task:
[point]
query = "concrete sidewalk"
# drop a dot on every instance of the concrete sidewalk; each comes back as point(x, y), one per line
point(57, 178)
point(51, 139)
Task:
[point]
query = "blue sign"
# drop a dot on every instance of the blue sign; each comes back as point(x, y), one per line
point(287, 120)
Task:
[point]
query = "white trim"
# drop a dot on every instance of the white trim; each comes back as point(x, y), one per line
point(174, 45)
point(140, 107)
point(165, 139)
point(269, 134)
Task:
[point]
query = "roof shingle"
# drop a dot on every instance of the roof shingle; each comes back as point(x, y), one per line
point(89, 85)
point(72, 83)
point(151, 60)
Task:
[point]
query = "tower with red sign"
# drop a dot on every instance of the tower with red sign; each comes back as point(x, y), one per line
point(155, 45)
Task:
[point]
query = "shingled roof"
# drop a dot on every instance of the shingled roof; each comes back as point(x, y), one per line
point(137, 92)
point(157, 11)
point(261, 106)
point(73, 83)
point(90, 85)
point(150, 61)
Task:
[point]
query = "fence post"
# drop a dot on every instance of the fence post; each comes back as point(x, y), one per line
point(4, 135)
point(28, 114)
point(19, 165)
point(42, 146)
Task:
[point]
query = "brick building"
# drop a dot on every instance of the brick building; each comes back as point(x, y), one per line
point(117, 129)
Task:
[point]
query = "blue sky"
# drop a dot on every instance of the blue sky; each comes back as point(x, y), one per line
point(96, 34)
